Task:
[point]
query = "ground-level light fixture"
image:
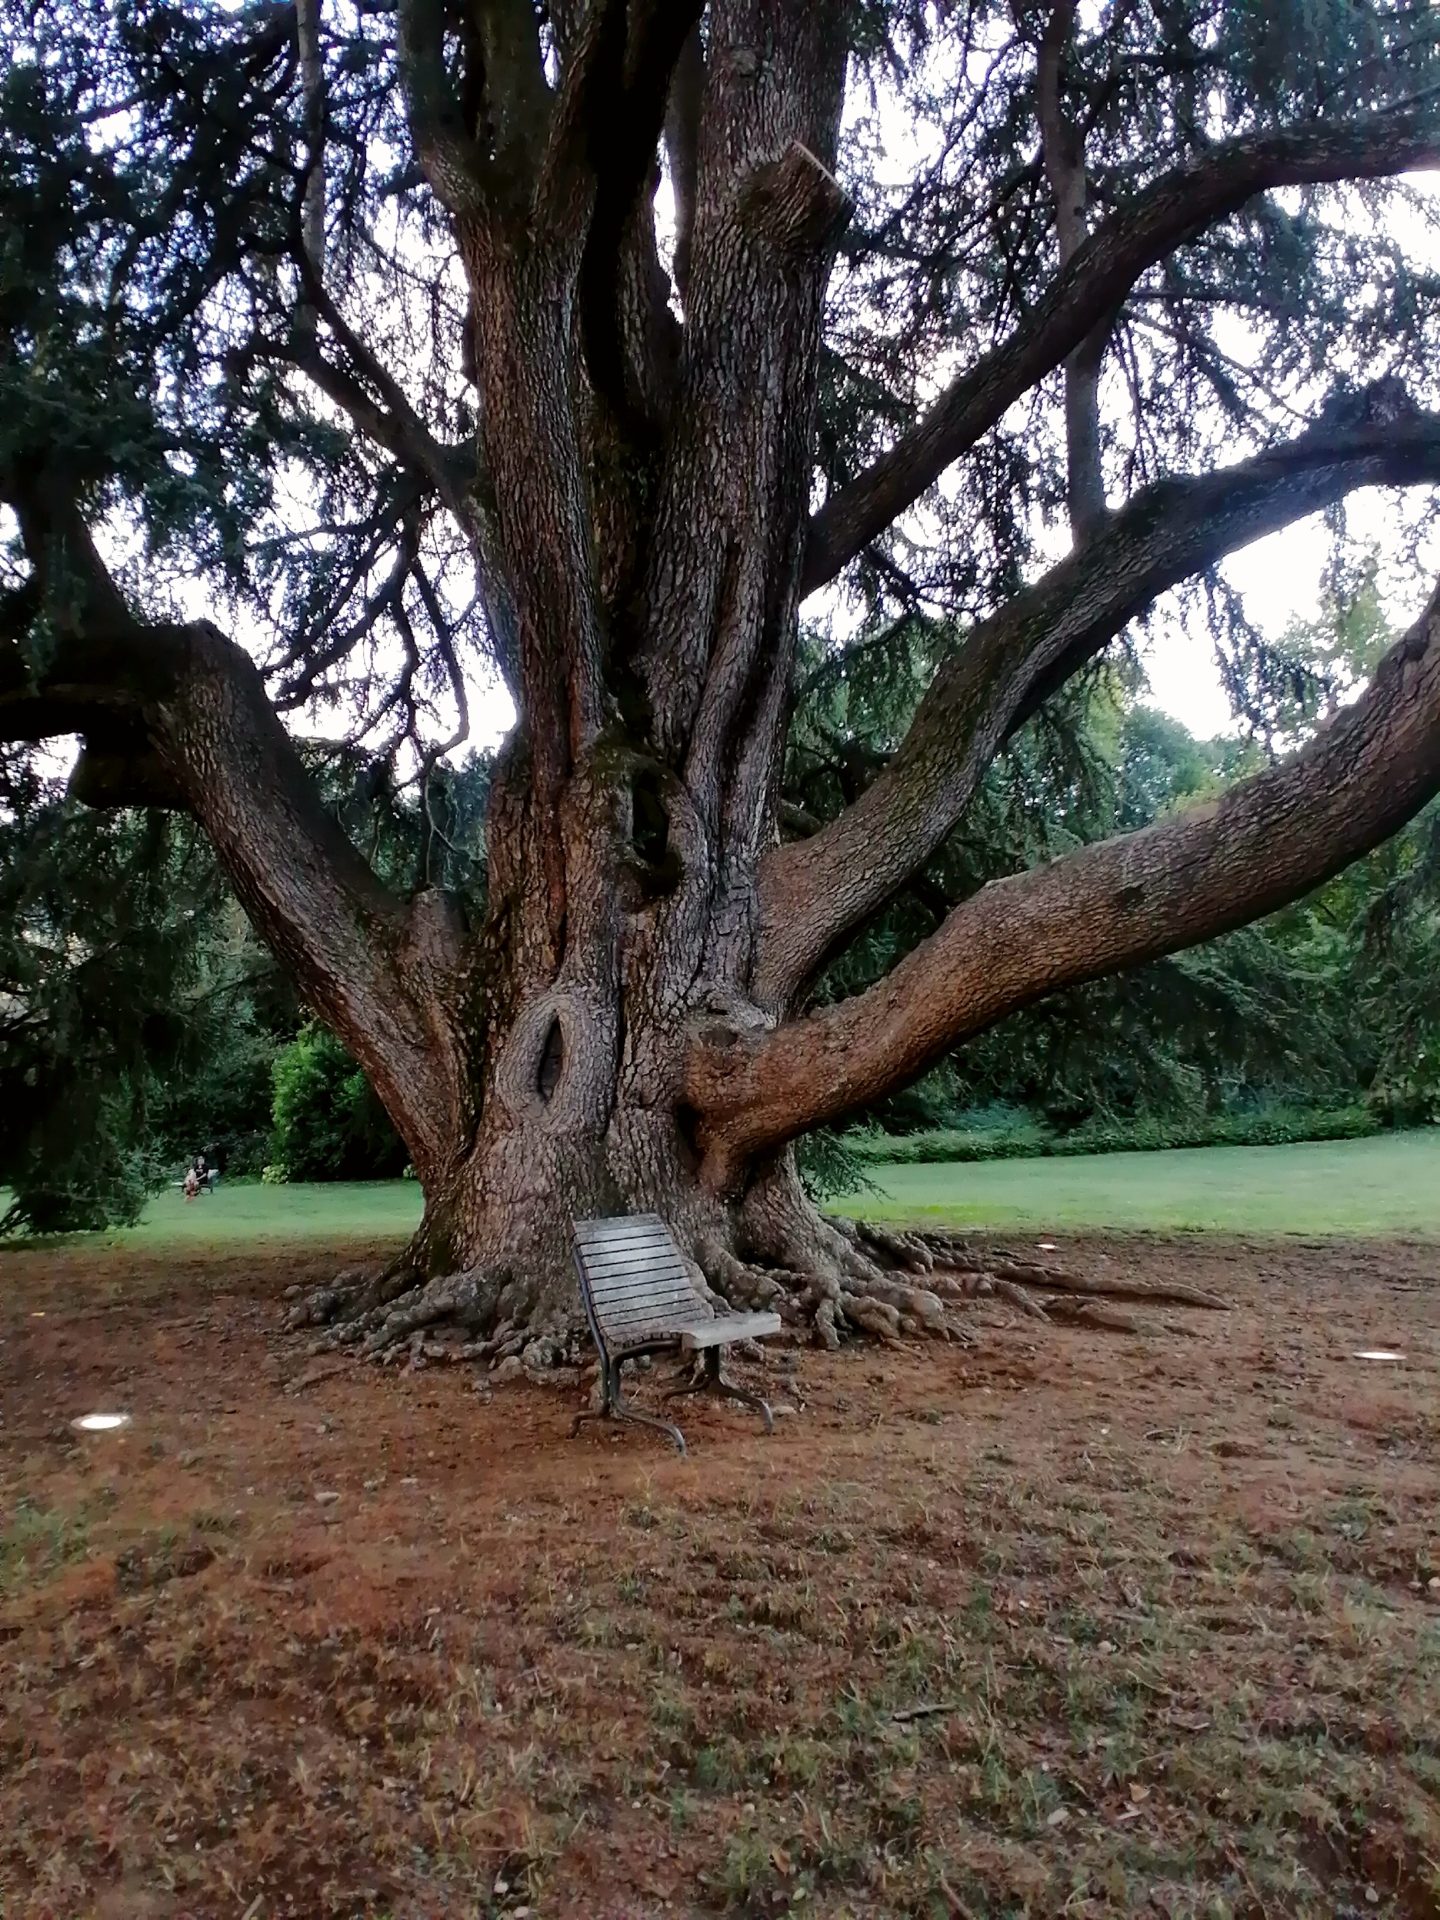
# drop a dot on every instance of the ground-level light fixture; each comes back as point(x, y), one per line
point(101, 1422)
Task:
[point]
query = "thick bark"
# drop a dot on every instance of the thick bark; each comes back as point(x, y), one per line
point(578, 1108)
point(1062, 147)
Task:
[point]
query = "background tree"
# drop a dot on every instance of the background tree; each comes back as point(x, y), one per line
point(141, 1020)
point(126, 1003)
point(359, 330)
point(1313, 1009)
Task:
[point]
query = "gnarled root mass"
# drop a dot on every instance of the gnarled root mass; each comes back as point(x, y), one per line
point(827, 1277)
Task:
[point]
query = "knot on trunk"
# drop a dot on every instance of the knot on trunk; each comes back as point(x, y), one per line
point(555, 1061)
point(797, 204)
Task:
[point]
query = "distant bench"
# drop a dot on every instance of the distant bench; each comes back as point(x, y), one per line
point(640, 1298)
point(207, 1185)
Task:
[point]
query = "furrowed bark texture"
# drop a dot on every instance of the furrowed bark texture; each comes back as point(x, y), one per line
point(626, 1029)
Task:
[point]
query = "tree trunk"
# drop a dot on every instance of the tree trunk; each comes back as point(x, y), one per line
point(579, 1104)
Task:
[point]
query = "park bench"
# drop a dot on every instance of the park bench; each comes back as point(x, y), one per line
point(640, 1298)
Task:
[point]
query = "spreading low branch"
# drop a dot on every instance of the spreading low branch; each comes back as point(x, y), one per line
point(178, 715)
point(1114, 905)
point(1084, 294)
point(813, 894)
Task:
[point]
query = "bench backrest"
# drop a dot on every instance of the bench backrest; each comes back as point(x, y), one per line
point(634, 1280)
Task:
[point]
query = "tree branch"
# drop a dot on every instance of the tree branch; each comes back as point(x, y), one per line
point(1114, 905)
point(312, 194)
point(391, 422)
point(179, 715)
point(812, 895)
point(453, 163)
point(609, 123)
point(1098, 279)
point(516, 93)
point(1062, 145)
point(682, 149)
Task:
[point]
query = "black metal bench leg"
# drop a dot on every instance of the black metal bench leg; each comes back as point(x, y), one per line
point(689, 1383)
point(614, 1406)
point(752, 1400)
point(624, 1411)
point(712, 1380)
point(607, 1397)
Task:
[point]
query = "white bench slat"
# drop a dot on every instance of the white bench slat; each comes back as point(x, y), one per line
point(622, 1231)
point(646, 1262)
point(676, 1311)
point(639, 1283)
point(623, 1249)
point(625, 1277)
point(676, 1288)
point(653, 1313)
point(614, 1249)
point(728, 1327)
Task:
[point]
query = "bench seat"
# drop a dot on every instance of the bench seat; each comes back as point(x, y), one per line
point(728, 1327)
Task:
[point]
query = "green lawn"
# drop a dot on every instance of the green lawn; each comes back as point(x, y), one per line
point(344, 1210)
point(1390, 1184)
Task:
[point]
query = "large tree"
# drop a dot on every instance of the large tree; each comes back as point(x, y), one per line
point(594, 337)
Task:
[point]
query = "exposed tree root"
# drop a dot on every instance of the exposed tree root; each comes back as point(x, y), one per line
point(1168, 1292)
point(1092, 1313)
point(1016, 1295)
point(826, 1277)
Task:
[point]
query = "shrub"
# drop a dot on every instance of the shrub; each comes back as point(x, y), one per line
point(1029, 1139)
point(328, 1124)
point(104, 1182)
point(1020, 1139)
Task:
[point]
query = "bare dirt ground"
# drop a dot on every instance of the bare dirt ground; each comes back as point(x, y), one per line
point(1068, 1622)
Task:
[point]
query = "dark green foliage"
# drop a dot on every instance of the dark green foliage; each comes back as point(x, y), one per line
point(141, 1022)
point(117, 986)
point(328, 1123)
point(830, 1163)
point(71, 1179)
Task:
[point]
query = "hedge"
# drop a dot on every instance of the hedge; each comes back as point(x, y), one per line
point(1030, 1139)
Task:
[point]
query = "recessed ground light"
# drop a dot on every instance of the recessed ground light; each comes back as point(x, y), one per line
point(1046, 1246)
point(1378, 1353)
point(101, 1422)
